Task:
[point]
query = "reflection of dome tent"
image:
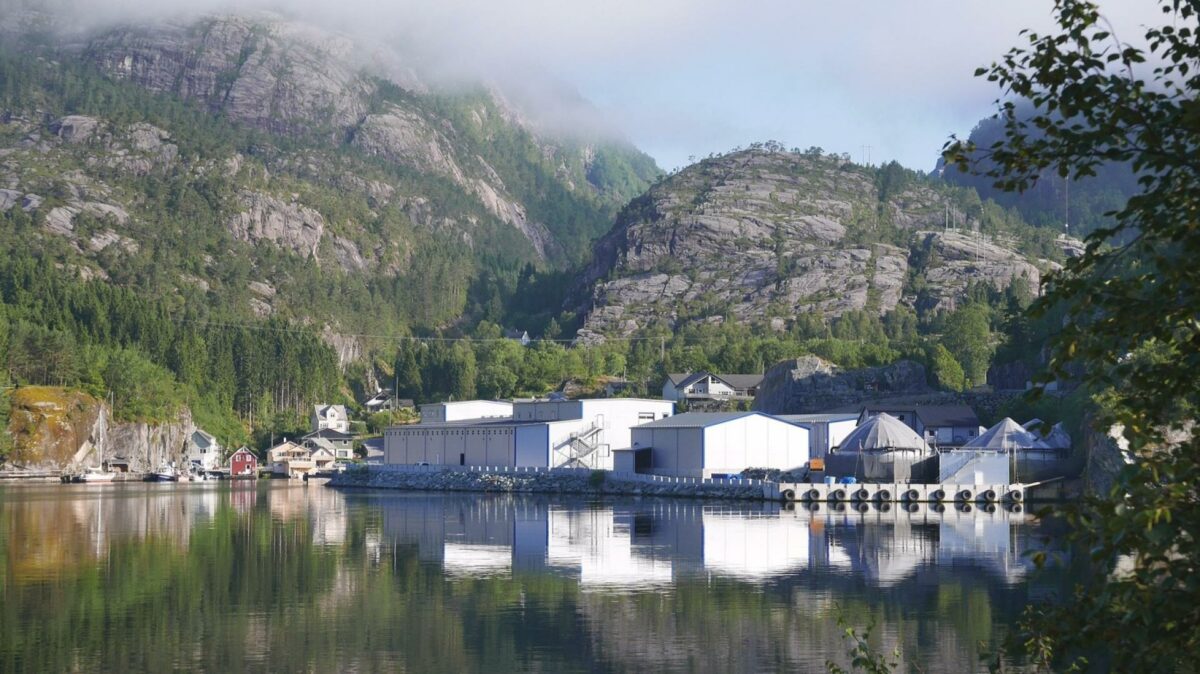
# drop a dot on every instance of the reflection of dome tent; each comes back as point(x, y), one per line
point(1006, 435)
point(879, 433)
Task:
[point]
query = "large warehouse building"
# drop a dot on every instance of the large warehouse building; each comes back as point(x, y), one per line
point(539, 433)
point(463, 410)
point(714, 444)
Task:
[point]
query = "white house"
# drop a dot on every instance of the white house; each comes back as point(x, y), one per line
point(714, 444)
point(825, 431)
point(464, 410)
point(708, 386)
point(289, 459)
point(333, 417)
point(539, 433)
point(203, 450)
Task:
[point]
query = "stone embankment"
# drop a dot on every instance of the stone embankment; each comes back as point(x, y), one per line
point(551, 482)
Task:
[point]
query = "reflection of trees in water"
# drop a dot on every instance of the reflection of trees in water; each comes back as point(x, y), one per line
point(306, 578)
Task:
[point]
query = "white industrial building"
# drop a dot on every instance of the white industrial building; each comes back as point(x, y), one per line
point(464, 410)
point(538, 433)
point(714, 444)
point(825, 431)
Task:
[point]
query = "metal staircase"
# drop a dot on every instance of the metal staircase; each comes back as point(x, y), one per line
point(581, 446)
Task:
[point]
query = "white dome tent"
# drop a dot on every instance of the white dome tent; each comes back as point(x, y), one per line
point(882, 432)
point(1006, 436)
point(881, 449)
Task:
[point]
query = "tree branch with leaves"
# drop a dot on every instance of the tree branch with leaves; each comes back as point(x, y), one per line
point(1133, 316)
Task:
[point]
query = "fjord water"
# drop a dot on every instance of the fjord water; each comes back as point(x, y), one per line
point(285, 576)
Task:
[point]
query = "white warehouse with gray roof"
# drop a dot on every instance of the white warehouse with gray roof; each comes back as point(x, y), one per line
point(714, 444)
point(535, 433)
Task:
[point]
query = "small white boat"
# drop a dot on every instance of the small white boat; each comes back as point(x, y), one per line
point(95, 475)
point(163, 474)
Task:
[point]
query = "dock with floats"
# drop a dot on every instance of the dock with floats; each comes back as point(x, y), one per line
point(866, 492)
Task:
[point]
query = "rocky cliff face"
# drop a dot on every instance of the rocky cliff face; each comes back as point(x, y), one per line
point(59, 429)
point(809, 384)
point(761, 236)
point(296, 80)
point(316, 149)
point(272, 74)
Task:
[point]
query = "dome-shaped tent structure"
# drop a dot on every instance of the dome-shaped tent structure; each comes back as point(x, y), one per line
point(1006, 435)
point(880, 449)
point(882, 432)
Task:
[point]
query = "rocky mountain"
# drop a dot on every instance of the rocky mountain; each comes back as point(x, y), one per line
point(262, 164)
point(762, 235)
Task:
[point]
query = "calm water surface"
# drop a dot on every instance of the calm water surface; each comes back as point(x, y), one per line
point(285, 576)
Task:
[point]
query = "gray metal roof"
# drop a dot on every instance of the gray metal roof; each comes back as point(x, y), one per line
point(699, 419)
point(817, 418)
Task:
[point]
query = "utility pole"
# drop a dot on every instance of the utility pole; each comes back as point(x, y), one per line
point(1067, 205)
point(662, 350)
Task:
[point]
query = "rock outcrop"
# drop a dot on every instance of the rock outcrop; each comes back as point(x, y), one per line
point(809, 384)
point(272, 74)
point(760, 235)
point(288, 225)
point(60, 429)
point(960, 259)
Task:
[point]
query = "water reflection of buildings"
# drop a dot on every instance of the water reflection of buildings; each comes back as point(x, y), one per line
point(645, 545)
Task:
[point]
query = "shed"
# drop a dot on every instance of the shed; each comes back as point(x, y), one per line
point(825, 431)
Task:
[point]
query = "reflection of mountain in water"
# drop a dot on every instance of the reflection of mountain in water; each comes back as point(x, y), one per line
point(647, 545)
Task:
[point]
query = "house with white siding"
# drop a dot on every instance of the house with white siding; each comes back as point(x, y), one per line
point(708, 386)
point(203, 450)
point(333, 417)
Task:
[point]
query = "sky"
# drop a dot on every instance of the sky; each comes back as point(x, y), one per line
point(684, 78)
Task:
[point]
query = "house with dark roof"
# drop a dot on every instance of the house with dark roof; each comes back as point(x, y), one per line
point(385, 400)
point(941, 425)
point(340, 444)
point(708, 386)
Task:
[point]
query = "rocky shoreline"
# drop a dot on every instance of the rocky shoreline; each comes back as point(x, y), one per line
point(596, 482)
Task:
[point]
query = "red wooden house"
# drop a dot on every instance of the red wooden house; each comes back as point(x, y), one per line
point(243, 463)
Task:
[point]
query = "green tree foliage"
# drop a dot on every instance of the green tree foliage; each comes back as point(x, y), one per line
point(108, 339)
point(967, 334)
point(945, 371)
point(1132, 304)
